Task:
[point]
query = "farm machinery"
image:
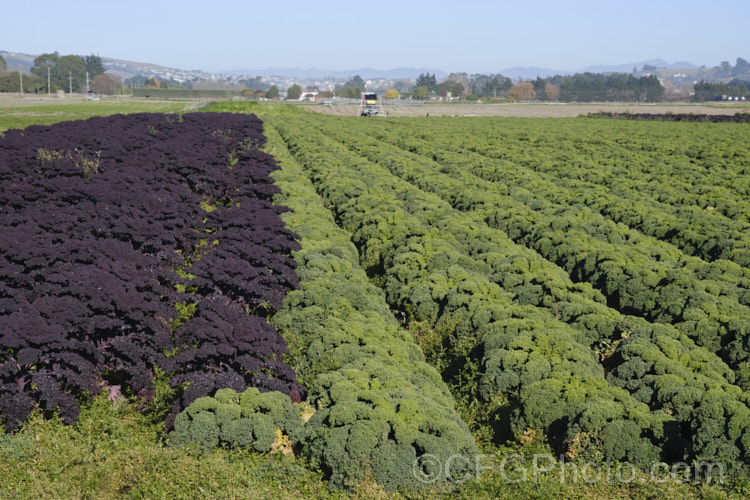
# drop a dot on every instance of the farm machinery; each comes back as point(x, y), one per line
point(371, 105)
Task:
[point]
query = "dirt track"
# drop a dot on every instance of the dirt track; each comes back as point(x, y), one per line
point(534, 110)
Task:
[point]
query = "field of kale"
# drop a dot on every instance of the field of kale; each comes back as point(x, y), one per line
point(112, 266)
point(459, 307)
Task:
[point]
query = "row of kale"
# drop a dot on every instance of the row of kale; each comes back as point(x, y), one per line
point(637, 275)
point(676, 164)
point(695, 231)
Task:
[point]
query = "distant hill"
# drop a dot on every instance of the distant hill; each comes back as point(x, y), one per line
point(123, 69)
point(366, 73)
point(628, 67)
point(127, 69)
point(16, 59)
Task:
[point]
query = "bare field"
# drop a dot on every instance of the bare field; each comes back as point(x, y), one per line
point(17, 111)
point(536, 110)
point(15, 100)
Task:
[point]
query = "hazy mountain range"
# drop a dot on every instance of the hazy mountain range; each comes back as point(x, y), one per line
point(515, 72)
point(533, 72)
point(25, 61)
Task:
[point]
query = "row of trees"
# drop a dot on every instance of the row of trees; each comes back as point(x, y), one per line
point(52, 72)
point(740, 69)
point(707, 91)
point(578, 87)
point(67, 72)
point(565, 88)
point(568, 88)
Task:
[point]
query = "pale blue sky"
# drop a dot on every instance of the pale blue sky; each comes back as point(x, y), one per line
point(465, 36)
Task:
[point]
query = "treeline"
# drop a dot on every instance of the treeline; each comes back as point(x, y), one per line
point(602, 87)
point(52, 72)
point(707, 91)
point(565, 88)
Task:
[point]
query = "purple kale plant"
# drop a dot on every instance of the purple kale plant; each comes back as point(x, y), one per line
point(105, 226)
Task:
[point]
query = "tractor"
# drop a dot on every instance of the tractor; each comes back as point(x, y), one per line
point(371, 105)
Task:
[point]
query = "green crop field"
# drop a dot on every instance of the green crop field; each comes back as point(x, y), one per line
point(489, 307)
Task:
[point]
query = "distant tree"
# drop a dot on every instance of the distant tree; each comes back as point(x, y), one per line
point(402, 85)
point(63, 72)
point(426, 80)
point(45, 63)
point(450, 86)
point(725, 69)
point(273, 92)
point(326, 94)
point(552, 91)
point(421, 92)
point(461, 78)
point(352, 89)
point(105, 83)
point(137, 81)
point(708, 91)
point(741, 67)
point(523, 91)
point(476, 84)
point(355, 82)
point(70, 72)
point(153, 83)
point(391, 94)
point(349, 92)
point(583, 87)
point(94, 65)
point(489, 85)
point(11, 82)
point(294, 92)
point(3, 65)
point(255, 83)
point(648, 67)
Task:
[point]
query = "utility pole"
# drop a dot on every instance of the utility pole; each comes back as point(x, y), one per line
point(20, 75)
point(49, 89)
point(70, 80)
point(87, 84)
